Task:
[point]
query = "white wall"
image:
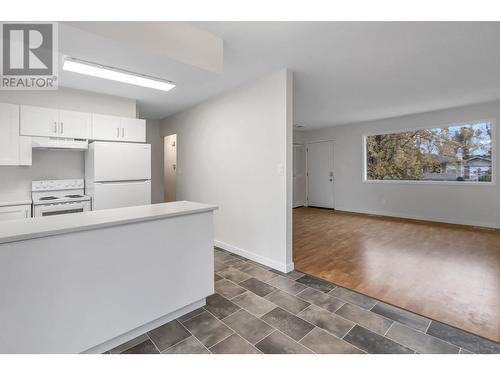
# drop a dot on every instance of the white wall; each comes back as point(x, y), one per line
point(154, 138)
point(472, 205)
point(230, 152)
point(15, 182)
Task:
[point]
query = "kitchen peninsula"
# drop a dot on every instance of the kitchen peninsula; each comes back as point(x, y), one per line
point(87, 282)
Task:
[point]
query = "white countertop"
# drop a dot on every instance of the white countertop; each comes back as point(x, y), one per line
point(25, 229)
point(14, 202)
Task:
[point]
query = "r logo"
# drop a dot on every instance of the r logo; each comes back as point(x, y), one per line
point(27, 49)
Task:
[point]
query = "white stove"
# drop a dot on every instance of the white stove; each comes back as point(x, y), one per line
point(57, 197)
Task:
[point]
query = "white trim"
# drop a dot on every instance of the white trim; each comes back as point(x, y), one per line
point(422, 217)
point(255, 257)
point(364, 178)
point(113, 343)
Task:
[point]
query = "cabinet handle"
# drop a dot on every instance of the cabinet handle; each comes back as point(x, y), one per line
point(55, 127)
point(62, 127)
point(123, 132)
point(118, 132)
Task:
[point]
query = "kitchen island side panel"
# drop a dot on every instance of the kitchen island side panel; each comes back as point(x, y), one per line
point(71, 292)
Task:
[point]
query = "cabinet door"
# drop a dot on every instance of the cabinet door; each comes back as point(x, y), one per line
point(15, 212)
point(9, 134)
point(106, 128)
point(38, 121)
point(75, 124)
point(134, 130)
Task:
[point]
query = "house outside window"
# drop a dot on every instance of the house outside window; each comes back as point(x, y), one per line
point(461, 153)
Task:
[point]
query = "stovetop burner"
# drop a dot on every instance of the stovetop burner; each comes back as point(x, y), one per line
point(74, 196)
point(48, 198)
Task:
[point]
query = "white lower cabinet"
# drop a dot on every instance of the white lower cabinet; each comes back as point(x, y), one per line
point(15, 212)
point(14, 149)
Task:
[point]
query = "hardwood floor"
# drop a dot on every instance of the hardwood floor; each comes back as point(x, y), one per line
point(444, 272)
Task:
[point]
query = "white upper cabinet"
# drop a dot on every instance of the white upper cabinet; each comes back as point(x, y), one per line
point(134, 130)
point(14, 149)
point(39, 121)
point(113, 128)
point(75, 124)
point(49, 122)
point(106, 128)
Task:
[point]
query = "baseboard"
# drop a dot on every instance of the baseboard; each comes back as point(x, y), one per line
point(422, 218)
point(255, 257)
point(113, 343)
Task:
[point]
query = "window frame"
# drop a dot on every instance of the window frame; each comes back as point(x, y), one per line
point(365, 135)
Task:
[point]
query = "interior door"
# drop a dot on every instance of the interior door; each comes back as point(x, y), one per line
point(320, 178)
point(299, 175)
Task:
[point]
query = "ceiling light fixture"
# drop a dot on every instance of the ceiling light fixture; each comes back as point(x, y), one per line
point(115, 74)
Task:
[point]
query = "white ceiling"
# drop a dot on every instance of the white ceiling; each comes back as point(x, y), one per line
point(344, 72)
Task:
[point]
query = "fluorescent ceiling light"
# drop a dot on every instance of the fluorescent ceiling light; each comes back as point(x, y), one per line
point(115, 74)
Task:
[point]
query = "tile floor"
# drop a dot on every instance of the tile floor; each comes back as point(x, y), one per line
point(259, 310)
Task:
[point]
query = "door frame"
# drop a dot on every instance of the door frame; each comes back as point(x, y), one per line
point(305, 174)
point(307, 170)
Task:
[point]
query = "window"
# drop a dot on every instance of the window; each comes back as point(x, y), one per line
point(461, 153)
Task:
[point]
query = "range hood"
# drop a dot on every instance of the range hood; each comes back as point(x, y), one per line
point(48, 143)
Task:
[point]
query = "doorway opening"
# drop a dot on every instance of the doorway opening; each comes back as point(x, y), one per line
point(170, 167)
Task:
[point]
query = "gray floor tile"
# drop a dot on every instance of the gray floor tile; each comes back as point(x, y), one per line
point(326, 320)
point(248, 326)
point(287, 323)
point(463, 339)
point(233, 262)
point(287, 285)
point(129, 344)
point(402, 316)
point(191, 314)
point(312, 282)
point(218, 267)
point(259, 273)
point(188, 346)
point(217, 277)
point(365, 318)
point(321, 299)
point(419, 341)
point(254, 304)
point(220, 257)
point(206, 328)
point(278, 343)
point(293, 275)
point(228, 289)
point(234, 275)
point(168, 334)
point(372, 343)
point(287, 301)
point(145, 347)
point(463, 351)
point(245, 266)
point(353, 297)
point(220, 306)
point(234, 345)
point(321, 342)
point(258, 287)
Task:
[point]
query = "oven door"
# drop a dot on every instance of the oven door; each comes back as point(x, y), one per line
point(60, 208)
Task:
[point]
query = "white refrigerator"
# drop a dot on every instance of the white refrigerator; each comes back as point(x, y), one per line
point(118, 174)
